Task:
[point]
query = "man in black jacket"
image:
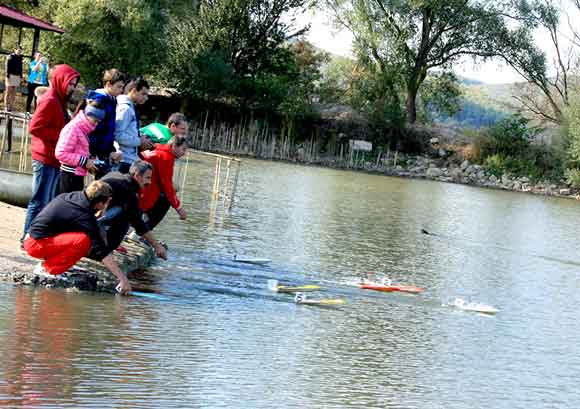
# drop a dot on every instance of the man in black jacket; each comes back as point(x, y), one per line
point(124, 207)
point(13, 79)
point(67, 229)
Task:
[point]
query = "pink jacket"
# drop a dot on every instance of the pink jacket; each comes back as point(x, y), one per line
point(72, 149)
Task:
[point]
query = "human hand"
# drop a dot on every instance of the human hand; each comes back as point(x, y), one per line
point(182, 213)
point(146, 143)
point(116, 156)
point(90, 165)
point(124, 287)
point(161, 251)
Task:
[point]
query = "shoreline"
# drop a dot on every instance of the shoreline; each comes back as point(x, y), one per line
point(87, 275)
point(433, 169)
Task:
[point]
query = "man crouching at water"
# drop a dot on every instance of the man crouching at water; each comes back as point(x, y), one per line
point(124, 207)
point(67, 230)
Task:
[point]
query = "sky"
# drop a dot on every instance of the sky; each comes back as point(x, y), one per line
point(323, 35)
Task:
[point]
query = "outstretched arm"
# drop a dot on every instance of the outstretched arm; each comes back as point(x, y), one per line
point(124, 285)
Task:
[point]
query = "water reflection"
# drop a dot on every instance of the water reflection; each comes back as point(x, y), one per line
point(220, 339)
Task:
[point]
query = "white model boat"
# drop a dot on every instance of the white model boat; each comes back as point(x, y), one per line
point(250, 260)
point(461, 304)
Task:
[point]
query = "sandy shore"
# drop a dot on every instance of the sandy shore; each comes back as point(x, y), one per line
point(11, 257)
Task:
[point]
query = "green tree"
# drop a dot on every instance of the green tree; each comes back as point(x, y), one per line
point(234, 50)
point(419, 35)
point(125, 34)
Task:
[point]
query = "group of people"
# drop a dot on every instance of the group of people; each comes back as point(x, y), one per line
point(132, 169)
point(37, 77)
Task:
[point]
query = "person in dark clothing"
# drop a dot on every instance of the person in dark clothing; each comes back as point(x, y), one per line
point(67, 230)
point(124, 208)
point(102, 139)
point(13, 72)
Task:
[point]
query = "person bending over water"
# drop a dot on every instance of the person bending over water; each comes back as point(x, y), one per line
point(67, 230)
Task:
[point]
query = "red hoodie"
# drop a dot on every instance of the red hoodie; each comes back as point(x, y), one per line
point(162, 160)
point(51, 116)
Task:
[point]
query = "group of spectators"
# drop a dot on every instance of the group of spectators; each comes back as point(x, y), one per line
point(132, 168)
point(14, 69)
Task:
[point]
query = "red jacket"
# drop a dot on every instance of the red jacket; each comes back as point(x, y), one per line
point(51, 116)
point(162, 160)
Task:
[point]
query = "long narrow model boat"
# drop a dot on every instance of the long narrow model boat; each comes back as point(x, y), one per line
point(328, 302)
point(387, 286)
point(250, 260)
point(461, 304)
point(274, 286)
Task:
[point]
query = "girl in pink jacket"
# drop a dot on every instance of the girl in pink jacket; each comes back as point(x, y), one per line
point(72, 149)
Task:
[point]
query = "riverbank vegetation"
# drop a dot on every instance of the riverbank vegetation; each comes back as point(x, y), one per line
point(247, 62)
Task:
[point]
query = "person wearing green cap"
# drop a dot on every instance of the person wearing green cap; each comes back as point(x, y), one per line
point(159, 133)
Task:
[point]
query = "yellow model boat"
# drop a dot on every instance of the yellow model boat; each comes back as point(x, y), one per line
point(302, 299)
point(274, 286)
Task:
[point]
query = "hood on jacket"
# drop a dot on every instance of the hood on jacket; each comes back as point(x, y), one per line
point(62, 75)
point(101, 97)
point(125, 100)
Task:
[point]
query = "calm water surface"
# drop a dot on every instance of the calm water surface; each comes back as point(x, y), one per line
point(219, 339)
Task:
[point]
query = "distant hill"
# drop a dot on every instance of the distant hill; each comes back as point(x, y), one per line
point(482, 104)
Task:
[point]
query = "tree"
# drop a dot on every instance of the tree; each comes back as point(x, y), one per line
point(547, 94)
point(417, 36)
point(234, 50)
point(128, 35)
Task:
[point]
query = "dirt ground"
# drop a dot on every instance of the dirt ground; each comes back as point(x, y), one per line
point(12, 223)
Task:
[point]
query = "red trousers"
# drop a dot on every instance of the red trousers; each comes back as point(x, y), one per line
point(60, 252)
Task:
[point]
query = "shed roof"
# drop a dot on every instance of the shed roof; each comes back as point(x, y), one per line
point(11, 16)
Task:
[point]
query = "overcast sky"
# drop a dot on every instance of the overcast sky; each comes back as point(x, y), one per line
point(323, 35)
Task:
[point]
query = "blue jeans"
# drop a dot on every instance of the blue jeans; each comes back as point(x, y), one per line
point(44, 184)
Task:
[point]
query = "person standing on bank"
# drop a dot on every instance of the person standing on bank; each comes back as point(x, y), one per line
point(13, 72)
point(72, 149)
point(66, 230)
point(127, 138)
point(37, 77)
point(50, 117)
point(124, 207)
point(160, 194)
point(102, 139)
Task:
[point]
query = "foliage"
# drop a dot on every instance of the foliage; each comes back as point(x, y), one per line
point(127, 35)
point(418, 36)
point(573, 177)
point(510, 137)
point(440, 95)
point(572, 132)
point(236, 51)
point(507, 148)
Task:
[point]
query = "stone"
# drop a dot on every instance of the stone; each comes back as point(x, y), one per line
point(456, 174)
point(565, 192)
point(517, 186)
point(434, 172)
point(464, 165)
point(493, 179)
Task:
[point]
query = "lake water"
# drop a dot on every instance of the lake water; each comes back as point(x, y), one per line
point(218, 338)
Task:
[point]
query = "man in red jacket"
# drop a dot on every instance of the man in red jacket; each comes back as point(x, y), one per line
point(48, 120)
point(157, 197)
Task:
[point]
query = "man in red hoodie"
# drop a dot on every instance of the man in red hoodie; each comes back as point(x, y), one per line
point(157, 197)
point(50, 117)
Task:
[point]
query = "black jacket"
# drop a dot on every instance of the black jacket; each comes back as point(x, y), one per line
point(14, 65)
point(70, 212)
point(126, 195)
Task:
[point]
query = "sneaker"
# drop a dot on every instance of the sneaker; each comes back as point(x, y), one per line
point(134, 236)
point(40, 271)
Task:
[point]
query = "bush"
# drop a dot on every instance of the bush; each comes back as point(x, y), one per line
point(509, 137)
point(573, 177)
